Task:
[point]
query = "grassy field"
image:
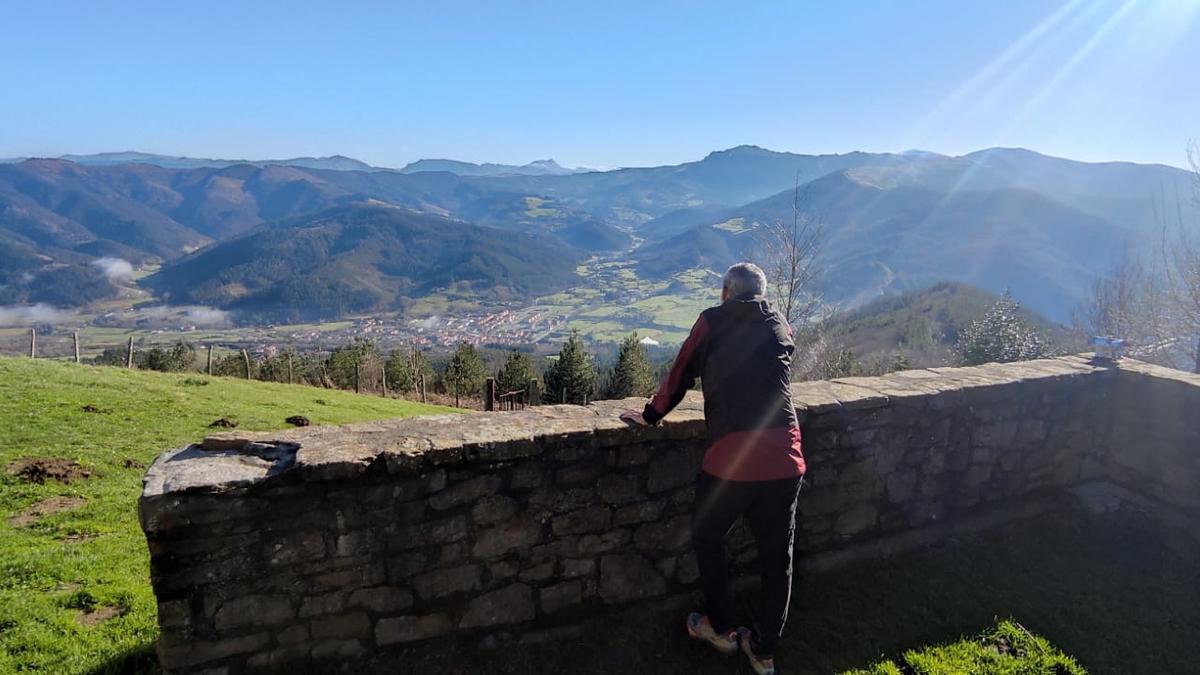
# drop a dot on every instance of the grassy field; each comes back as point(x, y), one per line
point(55, 569)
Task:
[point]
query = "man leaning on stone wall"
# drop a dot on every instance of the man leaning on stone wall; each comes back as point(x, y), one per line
point(753, 467)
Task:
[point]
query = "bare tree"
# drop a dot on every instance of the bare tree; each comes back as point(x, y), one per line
point(1181, 265)
point(789, 252)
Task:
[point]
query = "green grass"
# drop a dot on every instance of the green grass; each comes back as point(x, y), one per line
point(1007, 649)
point(45, 579)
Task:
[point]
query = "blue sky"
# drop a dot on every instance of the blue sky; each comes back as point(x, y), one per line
point(599, 84)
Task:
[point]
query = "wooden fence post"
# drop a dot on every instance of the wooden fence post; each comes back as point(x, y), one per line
point(357, 379)
point(423, 400)
point(209, 368)
point(33, 343)
point(530, 391)
point(489, 393)
point(383, 378)
point(75, 336)
point(457, 401)
point(564, 395)
point(291, 379)
point(246, 360)
point(129, 354)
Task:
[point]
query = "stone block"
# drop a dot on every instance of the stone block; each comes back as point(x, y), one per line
point(350, 625)
point(338, 649)
point(633, 455)
point(197, 652)
point(539, 572)
point(493, 509)
point(525, 476)
point(517, 533)
point(325, 603)
point(855, 521)
point(582, 521)
point(627, 577)
point(410, 629)
point(641, 512)
point(293, 634)
point(660, 539)
point(672, 470)
point(615, 488)
point(582, 567)
point(295, 547)
point(253, 611)
point(595, 544)
point(509, 605)
point(559, 596)
point(465, 492)
point(583, 473)
point(442, 582)
point(382, 599)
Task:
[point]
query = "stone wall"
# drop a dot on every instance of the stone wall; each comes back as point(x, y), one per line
point(337, 542)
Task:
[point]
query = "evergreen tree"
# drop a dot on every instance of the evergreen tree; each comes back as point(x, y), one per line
point(1001, 336)
point(573, 373)
point(400, 373)
point(180, 358)
point(465, 371)
point(340, 365)
point(632, 375)
point(515, 374)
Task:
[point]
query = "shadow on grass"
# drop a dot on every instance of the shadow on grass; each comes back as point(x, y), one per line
point(139, 661)
point(1119, 592)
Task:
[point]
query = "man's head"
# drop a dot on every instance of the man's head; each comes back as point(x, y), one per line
point(743, 279)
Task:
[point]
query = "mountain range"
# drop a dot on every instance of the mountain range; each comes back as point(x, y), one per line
point(999, 218)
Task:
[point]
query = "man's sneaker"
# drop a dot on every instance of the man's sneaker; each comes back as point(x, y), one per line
point(700, 628)
point(761, 665)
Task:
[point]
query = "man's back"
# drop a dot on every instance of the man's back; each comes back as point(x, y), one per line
point(748, 408)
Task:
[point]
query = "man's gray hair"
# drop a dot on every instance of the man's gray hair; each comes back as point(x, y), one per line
point(745, 278)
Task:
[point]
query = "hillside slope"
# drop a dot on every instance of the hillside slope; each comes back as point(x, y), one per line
point(360, 258)
point(94, 556)
point(896, 238)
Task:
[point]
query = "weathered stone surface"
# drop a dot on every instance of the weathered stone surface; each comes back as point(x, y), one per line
point(410, 629)
point(572, 568)
point(255, 610)
point(627, 577)
point(465, 492)
point(382, 599)
point(517, 533)
point(538, 572)
point(511, 604)
point(617, 488)
point(659, 539)
point(554, 598)
point(443, 582)
point(326, 603)
point(202, 651)
point(493, 509)
point(341, 626)
point(594, 519)
point(338, 649)
point(672, 470)
point(641, 512)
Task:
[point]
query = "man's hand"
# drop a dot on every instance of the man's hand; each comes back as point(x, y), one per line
point(634, 418)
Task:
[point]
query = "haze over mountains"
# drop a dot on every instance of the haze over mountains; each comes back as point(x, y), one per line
point(257, 236)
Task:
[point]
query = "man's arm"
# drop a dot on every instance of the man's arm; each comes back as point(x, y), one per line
point(684, 371)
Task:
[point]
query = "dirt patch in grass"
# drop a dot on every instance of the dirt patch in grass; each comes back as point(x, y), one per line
point(34, 512)
point(39, 470)
point(97, 615)
point(133, 464)
point(224, 423)
point(78, 538)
